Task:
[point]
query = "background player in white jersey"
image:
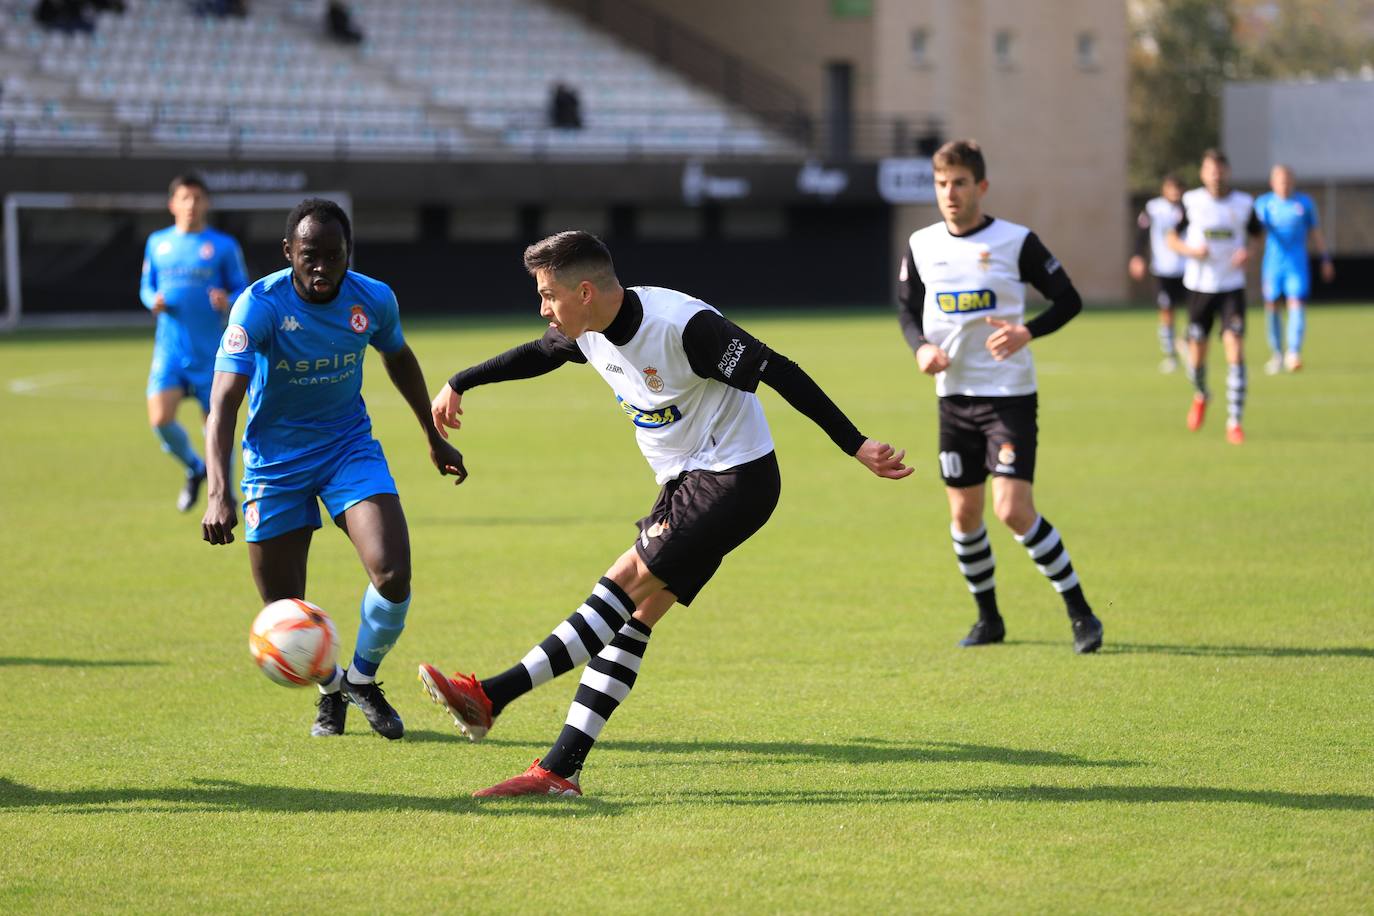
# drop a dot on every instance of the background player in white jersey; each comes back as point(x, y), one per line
point(191, 275)
point(962, 289)
point(685, 377)
point(1289, 219)
point(1152, 253)
point(1214, 236)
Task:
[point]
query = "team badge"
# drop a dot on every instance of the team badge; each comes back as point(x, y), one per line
point(250, 515)
point(653, 531)
point(235, 339)
point(207, 251)
point(652, 379)
point(985, 258)
point(1006, 456)
point(358, 320)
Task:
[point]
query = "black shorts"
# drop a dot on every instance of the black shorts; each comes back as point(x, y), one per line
point(700, 516)
point(1171, 292)
point(1203, 309)
point(981, 436)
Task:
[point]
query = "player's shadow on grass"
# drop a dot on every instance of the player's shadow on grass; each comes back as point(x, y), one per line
point(854, 751)
point(1060, 795)
point(230, 796)
point(1240, 651)
point(21, 661)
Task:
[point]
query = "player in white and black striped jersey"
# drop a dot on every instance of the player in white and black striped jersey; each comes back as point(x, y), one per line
point(1152, 252)
point(962, 289)
point(685, 376)
point(1218, 227)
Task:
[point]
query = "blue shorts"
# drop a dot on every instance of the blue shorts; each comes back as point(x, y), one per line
point(1286, 282)
point(284, 498)
point(169, 371)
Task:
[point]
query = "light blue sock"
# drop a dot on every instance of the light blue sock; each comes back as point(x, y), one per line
point(176, 443)
point(1297, 328)
point(382, 623)
point(1273, 327)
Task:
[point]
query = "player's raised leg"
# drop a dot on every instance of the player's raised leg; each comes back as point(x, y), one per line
point(377, 527)
point(474, 704)
point(1015, 506)
point(162, 417)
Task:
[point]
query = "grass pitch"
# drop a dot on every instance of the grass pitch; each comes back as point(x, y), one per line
point(805, 738)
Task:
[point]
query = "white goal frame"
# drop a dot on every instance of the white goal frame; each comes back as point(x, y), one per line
point(26, 200)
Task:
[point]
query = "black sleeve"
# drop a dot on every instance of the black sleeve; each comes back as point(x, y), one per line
point(1142, 235)
point(911, 298)
point(525, 361)
point(1042, 270)
point(1254, 227)
point(806, 397)
point(718, 348)
point(1182, 225)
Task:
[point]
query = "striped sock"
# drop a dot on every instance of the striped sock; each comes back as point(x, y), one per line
point(973, 551)
point(1046, 548)
point(1198, 376)
point(606, 682)
point(1235, 393)
point(1166, 338)
point(571, 643)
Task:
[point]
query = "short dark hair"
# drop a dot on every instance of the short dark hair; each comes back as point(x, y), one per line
point(187, 180)
point(323, 211)
point(573, 250)
point(1172, 178)
point(966, 153)
point(1216, 156)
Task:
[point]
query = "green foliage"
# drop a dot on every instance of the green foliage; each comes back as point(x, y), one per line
point(804, 738)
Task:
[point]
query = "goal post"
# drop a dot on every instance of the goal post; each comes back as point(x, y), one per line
point(92, 218)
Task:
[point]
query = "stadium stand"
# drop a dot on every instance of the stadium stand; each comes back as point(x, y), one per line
point(432, 79)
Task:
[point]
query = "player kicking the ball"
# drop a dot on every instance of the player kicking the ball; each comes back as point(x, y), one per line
point(962, 288)
point(685, 377)
point(300, 335)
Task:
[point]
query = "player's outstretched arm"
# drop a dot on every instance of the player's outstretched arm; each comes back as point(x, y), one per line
point(406, 375)
point(883, 460)
point(226, 396)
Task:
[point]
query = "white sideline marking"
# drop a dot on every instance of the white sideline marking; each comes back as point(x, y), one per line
point(44, 385)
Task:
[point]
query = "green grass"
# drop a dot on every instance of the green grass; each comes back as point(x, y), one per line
point(806, 737)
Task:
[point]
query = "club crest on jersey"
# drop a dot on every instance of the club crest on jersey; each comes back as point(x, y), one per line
point(653, 380)
point(985, 258)
point(358, 320)
point(207, 251)
point(235, 339)
point(973, 300)
point(650, 419)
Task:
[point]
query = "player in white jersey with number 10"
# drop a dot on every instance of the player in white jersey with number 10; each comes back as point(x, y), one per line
point(962, 289)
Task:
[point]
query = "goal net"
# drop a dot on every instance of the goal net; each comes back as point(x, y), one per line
point(74, 260)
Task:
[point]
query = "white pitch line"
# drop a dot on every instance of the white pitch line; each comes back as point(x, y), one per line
point(47, 386)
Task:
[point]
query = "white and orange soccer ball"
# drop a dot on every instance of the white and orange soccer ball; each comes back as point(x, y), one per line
point(294, 642)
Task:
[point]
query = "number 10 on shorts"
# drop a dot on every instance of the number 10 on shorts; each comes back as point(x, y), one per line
point(951, 465)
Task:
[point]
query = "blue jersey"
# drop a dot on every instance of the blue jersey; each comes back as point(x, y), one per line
point(1287, 221)
point(184, 267)
point(306, 362)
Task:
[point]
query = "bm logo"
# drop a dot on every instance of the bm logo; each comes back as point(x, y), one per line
point(650, 419)
point(977, 300)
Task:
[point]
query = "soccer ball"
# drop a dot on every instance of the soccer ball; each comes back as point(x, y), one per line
point(294, 642)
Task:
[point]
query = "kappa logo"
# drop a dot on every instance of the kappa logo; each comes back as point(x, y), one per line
point(652, 379)
point(289, 323)
point(612, 367)
point(164, 248)
point(235, 339)
point(358, 320)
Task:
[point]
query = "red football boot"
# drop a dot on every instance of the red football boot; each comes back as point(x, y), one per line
point(1234, 434)
point(1197, 412)
point(462, 695)
point(534, 781)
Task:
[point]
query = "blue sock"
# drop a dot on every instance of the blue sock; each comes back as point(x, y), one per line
point(382, 623)
point(1297, 327)
point(1273, 327)
point(176, 443)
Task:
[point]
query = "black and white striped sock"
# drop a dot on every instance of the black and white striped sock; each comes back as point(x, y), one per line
point(571, 643)
point(606, 682)
point(1046, 548)
point(1235, 393)
point(973, 551)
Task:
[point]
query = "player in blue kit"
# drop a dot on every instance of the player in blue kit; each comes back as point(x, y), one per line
point(295, 345)
point(191, 274)
point(1289, 218)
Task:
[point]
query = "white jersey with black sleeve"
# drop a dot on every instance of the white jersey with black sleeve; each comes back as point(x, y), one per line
point(1222, 224)
point(1158, 218)
point(683, 421)
point(950, 284)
